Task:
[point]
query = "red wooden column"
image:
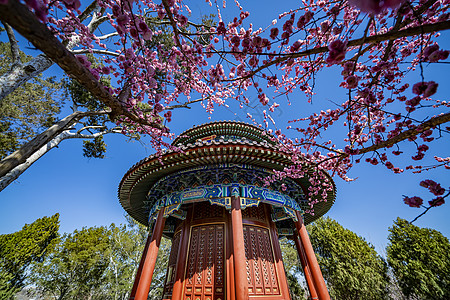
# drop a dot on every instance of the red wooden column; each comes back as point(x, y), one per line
point(282, 280)
point(148, 267)
point(177, 290)
point(139, 270)
point(316, 274)
point(306, 271)
point(240, 270)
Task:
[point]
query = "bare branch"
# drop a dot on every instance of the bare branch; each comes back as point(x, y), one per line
point(97, 51)
point(21, 155)
point(186, 104)
point(13, 44)
point(107, 36)
point(15, 172)
point(172, 22)
point(85, 14)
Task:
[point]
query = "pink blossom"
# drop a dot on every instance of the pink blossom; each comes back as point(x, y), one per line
point(337, 52)
point(274, 33)
point(183, 20)
point(414, 101)
point(122, 20)
point(168, 116)
point(147, 35)
point(295, 46)
point(426, 88)
point(438, 201)
point(84, 61)
point(352, 82)
point(72, 4)
point(431, 89)
point(158, 107)
point(375, 6)
point(221, 28)
point(413, 201)
point(106, 70)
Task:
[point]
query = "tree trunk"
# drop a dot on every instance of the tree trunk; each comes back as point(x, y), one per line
point(15, 164)
point(20, 156)
point(19, 169)
point(20, 74)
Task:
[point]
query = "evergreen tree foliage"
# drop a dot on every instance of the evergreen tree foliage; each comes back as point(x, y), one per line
point(30, 109)
point(351, 267)
point(420, 260)
point(18, 250)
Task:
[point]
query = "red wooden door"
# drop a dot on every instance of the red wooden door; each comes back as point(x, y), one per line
point(205, 268)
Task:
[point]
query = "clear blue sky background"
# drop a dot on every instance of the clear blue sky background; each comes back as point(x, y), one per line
point(84, 191)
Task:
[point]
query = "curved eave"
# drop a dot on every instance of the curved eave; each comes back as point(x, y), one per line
point(224, 128)
point(142, 176)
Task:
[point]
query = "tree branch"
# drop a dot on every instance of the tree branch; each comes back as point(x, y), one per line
point(15, 77)
point(97, 51)
point(107, 36)
point(21, 155)
point(91, 7)
point(15, 172)
point(433, 122)
point(26, 23)
point(389, 36)
point(172, 22)
point(13, 44)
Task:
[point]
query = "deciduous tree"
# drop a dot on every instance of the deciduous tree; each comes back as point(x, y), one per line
point(30, 109)
point(292, 268)
point(75, 266)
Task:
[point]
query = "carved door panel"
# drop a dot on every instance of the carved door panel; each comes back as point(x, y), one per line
point(261, 269)
point(205, 266)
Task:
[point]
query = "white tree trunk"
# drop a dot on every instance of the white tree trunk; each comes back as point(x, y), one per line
point(18, 170)
point(20, 74)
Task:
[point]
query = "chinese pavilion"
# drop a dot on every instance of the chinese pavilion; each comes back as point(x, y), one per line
point(208, 196)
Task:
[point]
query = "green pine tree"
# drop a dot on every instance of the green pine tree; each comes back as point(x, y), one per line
point(350, 265)
point(420, 260)
point(18, 250)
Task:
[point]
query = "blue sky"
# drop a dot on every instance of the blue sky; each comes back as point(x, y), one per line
point(84, 191)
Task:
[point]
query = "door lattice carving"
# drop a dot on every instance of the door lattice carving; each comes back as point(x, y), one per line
point(204, 210)
point(256, 213)
point(261, 271)
point(205, 265)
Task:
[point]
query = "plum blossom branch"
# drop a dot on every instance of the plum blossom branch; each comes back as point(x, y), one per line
point(433, 122)
point(21, 19)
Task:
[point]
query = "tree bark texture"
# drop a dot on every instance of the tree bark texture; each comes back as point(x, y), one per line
point(19, 74)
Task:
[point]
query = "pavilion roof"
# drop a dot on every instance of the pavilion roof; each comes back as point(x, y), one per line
point(210, 144)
